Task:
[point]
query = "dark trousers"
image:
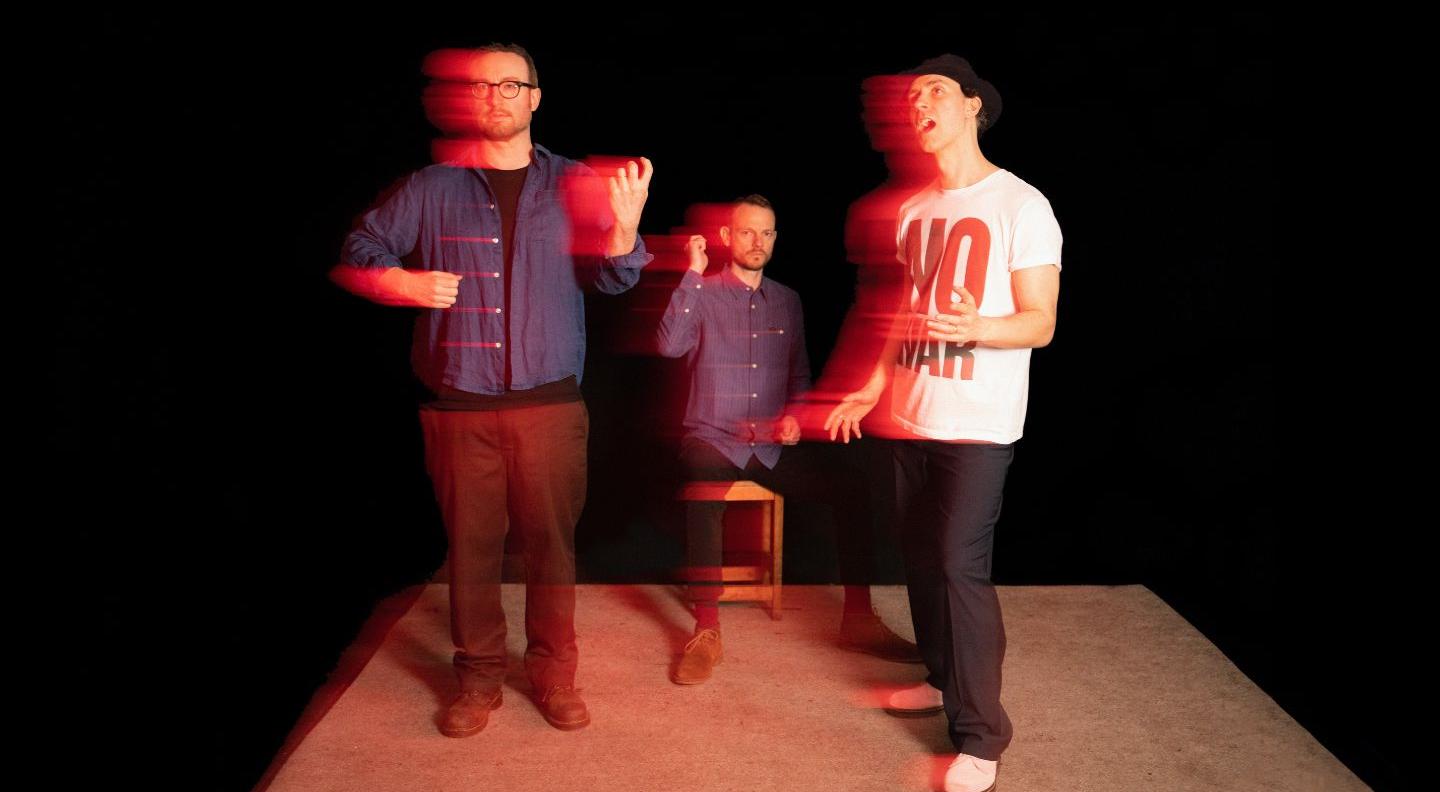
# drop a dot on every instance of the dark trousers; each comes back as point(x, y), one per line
point(948, 498)
point(496, 469)
point(804, 472)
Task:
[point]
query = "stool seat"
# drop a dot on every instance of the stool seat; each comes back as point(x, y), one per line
point(756, 574)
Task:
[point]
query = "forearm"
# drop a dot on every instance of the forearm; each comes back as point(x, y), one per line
point(620, 240)
point(1037, 294)
point(391, 286)
point(889, 352)
point(1027, 329)
point(377, 284)
point(680, 325)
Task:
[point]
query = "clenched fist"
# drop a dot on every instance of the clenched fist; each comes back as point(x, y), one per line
point(787, 431)
point(695, 254)
point(426, 289)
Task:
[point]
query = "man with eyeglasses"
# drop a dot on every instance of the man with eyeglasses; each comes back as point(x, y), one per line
point(495, 244)
point(743, 336)
point(981, 250)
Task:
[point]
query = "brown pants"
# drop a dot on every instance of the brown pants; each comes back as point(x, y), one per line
point(496, 468)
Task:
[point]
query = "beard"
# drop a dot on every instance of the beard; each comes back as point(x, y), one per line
point(500, 127)
point(752, 263)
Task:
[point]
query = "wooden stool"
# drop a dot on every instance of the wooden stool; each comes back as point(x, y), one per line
point(757, 575)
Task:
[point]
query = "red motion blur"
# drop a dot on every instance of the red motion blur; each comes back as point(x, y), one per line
point(870, 235)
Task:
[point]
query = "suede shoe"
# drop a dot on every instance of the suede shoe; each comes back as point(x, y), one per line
point(866, 633)
point(563, 708)
point(970, 774)
point(915, 702)
point(702, 654)
point(469, 712)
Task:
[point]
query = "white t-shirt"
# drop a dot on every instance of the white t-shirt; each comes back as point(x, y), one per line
point(973, 237)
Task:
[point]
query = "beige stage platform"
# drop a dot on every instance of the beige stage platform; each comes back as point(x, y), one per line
point(1108, 689)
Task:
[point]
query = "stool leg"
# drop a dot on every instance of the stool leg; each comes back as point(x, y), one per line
point(777, 551)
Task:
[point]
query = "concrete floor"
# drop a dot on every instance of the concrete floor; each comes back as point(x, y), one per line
point(1107, 687)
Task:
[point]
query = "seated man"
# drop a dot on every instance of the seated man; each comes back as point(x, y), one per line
point(744, 339)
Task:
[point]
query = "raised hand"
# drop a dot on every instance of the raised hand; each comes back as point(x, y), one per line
point(962, 324)
point(628, 189)
point(695, 254)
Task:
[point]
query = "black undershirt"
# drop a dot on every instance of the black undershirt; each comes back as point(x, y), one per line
point(507, 184)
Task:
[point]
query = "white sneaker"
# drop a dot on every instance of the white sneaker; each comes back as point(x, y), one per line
point(915, 702)
point(969, 774)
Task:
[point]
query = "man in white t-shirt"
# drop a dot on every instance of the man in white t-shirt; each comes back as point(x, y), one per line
point(981, 250)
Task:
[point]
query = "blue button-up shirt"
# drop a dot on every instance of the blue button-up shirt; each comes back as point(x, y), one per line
point(445, 217)
point(745, 349)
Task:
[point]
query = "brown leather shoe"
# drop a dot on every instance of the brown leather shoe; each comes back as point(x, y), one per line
point(469, 712)
point(702, 654)
point(864, 632)
point(563, 708)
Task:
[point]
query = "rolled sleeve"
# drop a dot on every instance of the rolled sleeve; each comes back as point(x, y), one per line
point(619, 273)
point(387, 231)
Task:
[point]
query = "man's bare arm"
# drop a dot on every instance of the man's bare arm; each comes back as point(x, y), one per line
point(1037, 291)
point(397, 286)
point(846, 416)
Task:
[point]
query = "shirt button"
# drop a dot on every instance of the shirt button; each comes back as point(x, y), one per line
point(754, 396)
point(752, 425)
point(754, 335)
point(752, 445)
point(782, 332)
point(499, 310)
point(697, 285)
point(492, 206)
point(752, 306)
point(496, 240)
point(687, 310)
point(754, 365)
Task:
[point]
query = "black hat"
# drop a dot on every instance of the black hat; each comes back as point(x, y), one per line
point(958, 69)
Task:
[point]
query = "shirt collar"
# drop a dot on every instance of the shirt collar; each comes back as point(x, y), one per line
point(540, 158)
point(729, 277)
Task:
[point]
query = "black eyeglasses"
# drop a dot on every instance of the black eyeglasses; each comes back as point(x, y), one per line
point(508, 89)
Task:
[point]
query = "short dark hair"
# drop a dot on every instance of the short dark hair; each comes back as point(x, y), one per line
point(982, 118)
point(753, 199)
point(517, 50)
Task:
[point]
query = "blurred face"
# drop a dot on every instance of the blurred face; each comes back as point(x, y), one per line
point(886, 113)
point(750, 235)
point(451, 103)
point(940, 112)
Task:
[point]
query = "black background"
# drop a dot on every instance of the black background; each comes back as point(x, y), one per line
point(246, 432)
